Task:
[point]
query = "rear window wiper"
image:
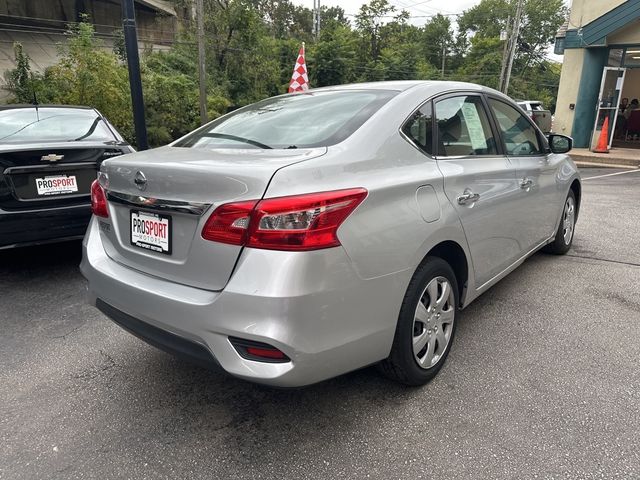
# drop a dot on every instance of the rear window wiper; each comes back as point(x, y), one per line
point(237, 139)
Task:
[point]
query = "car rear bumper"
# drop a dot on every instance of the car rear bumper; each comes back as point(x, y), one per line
point(43, 226)
point(170, 343)
point(310, 305)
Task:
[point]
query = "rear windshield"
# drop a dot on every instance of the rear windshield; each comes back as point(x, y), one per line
point(313, 119)
point(28, 125)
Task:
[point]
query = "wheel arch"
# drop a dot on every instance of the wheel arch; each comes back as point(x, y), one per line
point(452, 253)
point(576, 187)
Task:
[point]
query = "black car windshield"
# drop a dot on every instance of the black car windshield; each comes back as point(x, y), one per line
point(26, 125)
point(314, 119)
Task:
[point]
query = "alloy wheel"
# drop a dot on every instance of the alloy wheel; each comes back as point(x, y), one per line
point(568, 219)
point(433, 322)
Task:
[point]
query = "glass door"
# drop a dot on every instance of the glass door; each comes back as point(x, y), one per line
point(608, 102)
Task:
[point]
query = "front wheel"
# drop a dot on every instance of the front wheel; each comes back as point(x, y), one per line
point(426, 324)
point(564, 235)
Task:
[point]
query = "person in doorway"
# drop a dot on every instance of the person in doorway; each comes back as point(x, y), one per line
point(624, 103)
point(631, 126)
point(621, 122)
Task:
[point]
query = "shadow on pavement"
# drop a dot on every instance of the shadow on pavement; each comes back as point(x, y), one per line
point(38, 259)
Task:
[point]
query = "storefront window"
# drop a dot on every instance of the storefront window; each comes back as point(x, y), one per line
point(615, 57)
point(632, 57)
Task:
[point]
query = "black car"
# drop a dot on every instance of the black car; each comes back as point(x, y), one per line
point(49, 156)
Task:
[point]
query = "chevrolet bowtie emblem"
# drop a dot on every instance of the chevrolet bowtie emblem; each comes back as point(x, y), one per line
point(52, 157)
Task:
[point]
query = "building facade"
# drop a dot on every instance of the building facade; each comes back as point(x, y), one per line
point(39, 25)
point(601, 67)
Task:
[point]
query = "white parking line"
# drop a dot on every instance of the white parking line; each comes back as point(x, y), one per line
point(612, 174)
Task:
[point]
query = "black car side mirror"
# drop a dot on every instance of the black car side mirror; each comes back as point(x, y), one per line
point(560, 143)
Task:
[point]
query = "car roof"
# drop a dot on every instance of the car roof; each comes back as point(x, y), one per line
point(404, 85)
point(28, 105)
point(399, 85)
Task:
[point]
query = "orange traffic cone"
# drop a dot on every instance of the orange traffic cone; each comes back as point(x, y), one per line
point(603, 141)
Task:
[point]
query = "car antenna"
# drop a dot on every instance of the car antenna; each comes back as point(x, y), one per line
point(35, 103)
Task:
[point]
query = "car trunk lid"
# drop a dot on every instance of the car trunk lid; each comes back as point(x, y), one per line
point(175, 190)
point(50, 175)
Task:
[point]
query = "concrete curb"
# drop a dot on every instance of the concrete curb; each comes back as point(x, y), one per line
point(603, 165)
point(606, 160)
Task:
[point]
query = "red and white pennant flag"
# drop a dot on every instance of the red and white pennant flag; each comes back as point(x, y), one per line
point(299, 79)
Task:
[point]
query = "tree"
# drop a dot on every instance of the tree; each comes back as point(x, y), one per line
point(20, 80)
point(437, 40)
point(89, 74)
point(540, 22)
point(252, 46)
point(369, 20)
point(482, 25)
point(334, 60)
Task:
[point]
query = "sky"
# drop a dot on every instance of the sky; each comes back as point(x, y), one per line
point(417, 8)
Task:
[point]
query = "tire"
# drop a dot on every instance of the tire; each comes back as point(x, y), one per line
point(433, 327)
point(564, 235)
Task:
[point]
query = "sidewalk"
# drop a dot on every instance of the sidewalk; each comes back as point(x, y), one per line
point(617, 157)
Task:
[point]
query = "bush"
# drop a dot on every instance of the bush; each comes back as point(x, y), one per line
point(88, 74)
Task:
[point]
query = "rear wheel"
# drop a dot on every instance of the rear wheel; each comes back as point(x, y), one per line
point(564, 235)
point(426, 324)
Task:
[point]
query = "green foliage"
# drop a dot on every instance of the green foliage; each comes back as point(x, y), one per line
point(334, 57)
point(88, 74)
point(251, 47)
point(534, 77)
point(20, 81)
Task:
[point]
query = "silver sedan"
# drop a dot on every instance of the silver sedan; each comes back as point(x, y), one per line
point(312, 234)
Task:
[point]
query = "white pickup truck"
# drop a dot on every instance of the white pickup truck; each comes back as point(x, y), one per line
point(538, 114)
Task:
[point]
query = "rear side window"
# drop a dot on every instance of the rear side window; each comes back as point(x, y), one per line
point(419, 128)
point(463, 127)
point(31, 125)
point(313, 119)
point(519, 135)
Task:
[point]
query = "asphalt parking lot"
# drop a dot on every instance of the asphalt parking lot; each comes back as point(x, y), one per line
point(543, 382)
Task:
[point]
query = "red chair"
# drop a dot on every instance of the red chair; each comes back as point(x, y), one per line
point(633, 124)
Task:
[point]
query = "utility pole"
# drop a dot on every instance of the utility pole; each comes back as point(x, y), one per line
point(444, 53)
point(202, 74)
point(513, 46)
point(133, 63)
point(316, 18)
point(505, 37)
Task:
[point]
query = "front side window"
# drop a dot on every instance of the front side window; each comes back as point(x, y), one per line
point(419, 128)
point(314, 119)
point(519, 135)
point(463, 127)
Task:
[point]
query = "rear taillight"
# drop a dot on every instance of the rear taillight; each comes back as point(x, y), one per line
point(300, 222)
point(229, 223)
point(98, 200)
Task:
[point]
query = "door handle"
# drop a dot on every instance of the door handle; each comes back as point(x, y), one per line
point(468, 197)
point(526, 183)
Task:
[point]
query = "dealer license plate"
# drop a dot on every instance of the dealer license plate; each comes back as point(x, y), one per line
point(151, 231)
point(56, 185)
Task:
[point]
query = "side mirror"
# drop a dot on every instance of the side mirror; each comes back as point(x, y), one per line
point(560, 143)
